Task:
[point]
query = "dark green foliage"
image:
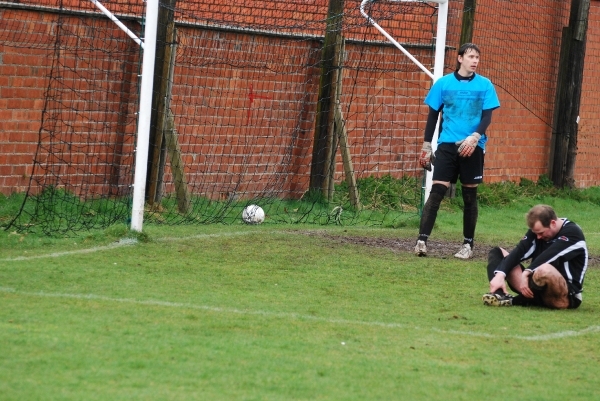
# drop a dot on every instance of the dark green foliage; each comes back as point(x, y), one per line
point(386, 192)
point(9, 207)
point(506, 193)
point(56, 211)
point(385, 201)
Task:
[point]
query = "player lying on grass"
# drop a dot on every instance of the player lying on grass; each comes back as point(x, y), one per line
point(559, 260)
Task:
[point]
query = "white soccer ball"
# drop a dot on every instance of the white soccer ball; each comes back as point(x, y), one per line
point(253, 214)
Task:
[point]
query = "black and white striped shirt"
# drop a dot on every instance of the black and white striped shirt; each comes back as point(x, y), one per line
point(567, 252)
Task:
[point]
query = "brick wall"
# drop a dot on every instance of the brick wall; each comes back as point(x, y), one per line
point(587, 167)
point(22, 86)
point(520, 46)
point(247, 124)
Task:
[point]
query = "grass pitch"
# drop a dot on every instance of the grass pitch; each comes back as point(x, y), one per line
point(270, 313)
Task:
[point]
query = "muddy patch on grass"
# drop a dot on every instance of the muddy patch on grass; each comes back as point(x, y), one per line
point(435, 248)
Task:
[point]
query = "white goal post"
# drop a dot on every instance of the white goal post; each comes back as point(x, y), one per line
point(438, 68)
point(143, 136)
point(145, 109)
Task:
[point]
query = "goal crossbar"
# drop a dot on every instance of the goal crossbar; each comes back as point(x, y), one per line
point(114, 19)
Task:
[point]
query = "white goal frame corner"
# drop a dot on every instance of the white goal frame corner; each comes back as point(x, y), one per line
point(440, 53)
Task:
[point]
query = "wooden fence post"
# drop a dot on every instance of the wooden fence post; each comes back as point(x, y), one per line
point(325, 104)
point(162, 65)
point(563, 146)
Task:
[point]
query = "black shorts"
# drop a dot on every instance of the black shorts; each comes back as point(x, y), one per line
point(448, 165)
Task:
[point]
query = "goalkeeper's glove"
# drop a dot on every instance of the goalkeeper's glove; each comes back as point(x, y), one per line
point(426, 156)
point(467, 145)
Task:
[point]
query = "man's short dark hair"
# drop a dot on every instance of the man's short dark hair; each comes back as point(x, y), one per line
point(463, 49)
point(468, 46)
point(542, 213)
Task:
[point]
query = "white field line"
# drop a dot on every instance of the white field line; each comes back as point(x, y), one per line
point(132, 241)
point(120, 243)
point(296, 316)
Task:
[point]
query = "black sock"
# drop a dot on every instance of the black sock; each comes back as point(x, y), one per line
point(495, 256)
point(470, 213)
point(430, 210)
point(521, 300)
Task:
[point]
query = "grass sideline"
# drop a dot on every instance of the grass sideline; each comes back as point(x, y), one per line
point(267, 312)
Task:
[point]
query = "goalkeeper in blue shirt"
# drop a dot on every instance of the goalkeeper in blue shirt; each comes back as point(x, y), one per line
point(466, 101)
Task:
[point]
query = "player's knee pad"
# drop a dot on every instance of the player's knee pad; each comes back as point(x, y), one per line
point(469, 195)
point(438, 189)
point(435, 198)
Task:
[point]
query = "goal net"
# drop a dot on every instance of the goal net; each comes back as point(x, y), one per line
point(299, 106)
point(236, 115)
